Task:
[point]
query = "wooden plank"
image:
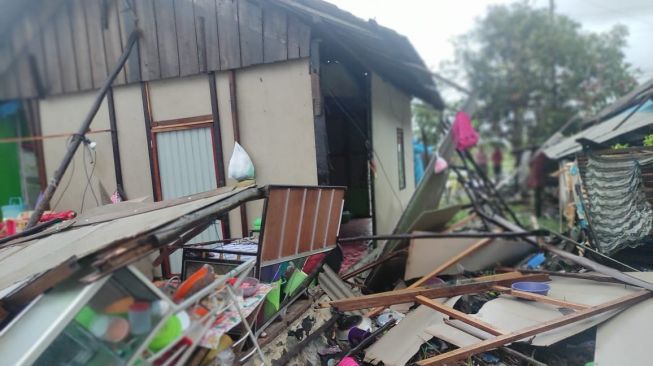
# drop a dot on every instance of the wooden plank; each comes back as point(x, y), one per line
point(21, 66)
point(336, 214)
point(112, 41)
point(250, 26)
point(443, 267)
point(322, 220)
point(293, 36)
point(186, 37)
point(167, 38)
point(541, 298)
point(464, 352)
point(388, 298)
point(452, 261)
point(228, 38)
point(308, 221)
point(274, 217)
point(456, 314)
point(148, 47)
point(96, 42)
point(82, 47)
point(53, 69)
point(206, 27)
point(127, 21)
point(292, 224)
point(275, 34)
point(66, 50)
point(304, 37)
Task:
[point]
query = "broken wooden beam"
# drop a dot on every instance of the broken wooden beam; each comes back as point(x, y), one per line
point(457, 314)
point(492, 343)
point(478, 284)
point(541, 298)
point(443, 267)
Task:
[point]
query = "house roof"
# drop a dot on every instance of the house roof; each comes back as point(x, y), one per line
point(614, 127)
point(385, 51)
point(627, 114)
point(112, 228)
point(53, 48)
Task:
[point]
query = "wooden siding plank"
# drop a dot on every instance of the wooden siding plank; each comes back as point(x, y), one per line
point(82, 48)
point(148, 47)
point(20, 64)
point(186, 37)
point(64, 37)
point(51, 50)
point(206, 28)
point(96, 42)
point(167, 38)
point(308, 221)
point(127, 21)
point(321, 227)
point(228, 38)
point(274, 217)
point(38, 69)
point(336, 213)
point(304, 37)
point(293, 37)
point(250, 26)
point(292, 223)
point(112, 41)
point(275, 34)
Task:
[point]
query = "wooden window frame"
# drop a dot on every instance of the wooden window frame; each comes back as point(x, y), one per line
point(401, 158)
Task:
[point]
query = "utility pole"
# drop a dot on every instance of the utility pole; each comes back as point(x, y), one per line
point(554, 88)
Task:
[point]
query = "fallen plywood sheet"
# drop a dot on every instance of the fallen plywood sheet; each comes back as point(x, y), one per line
point(625, 339)
point(401, 343)
point(434, 220)
point(29, 258)
point(512, 314)
point(426, 254)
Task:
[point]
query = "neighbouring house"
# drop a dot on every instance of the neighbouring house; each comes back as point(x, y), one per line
point(314, 94)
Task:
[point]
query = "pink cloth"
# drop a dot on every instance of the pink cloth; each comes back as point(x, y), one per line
point(463, 132)
point(348, 361)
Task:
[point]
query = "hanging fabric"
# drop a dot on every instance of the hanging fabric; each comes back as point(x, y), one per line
point(620, 215)
point(463, 132)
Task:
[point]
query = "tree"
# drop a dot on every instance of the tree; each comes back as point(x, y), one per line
point(533, 70)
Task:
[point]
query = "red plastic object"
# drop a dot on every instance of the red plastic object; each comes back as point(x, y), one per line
point(64, 215)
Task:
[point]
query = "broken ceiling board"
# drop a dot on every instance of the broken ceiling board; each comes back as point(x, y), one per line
point(452, 335)
point(39, 255)
point(514, 314)
point(625, 339)
point(426, 254)
point(401, 342)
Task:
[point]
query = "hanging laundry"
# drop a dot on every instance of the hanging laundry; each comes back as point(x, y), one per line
point(620, 216)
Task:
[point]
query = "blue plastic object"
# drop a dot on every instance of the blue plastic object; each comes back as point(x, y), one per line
point(539, 288)
point(13, 209)
point(535, 262)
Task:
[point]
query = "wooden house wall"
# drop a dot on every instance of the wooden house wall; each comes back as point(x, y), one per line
point(71, 45)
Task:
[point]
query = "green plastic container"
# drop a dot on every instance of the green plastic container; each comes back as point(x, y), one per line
point(272, 300)
point(168, 333)
point(295, 281)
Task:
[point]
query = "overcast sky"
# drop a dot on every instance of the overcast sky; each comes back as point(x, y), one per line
point(431, 25)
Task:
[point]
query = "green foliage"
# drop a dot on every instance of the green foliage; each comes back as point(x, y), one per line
point(534, 71)
point(618, 146)
point(426, 123)
point(648, 140)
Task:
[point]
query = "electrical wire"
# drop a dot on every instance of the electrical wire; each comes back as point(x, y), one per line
point(89, 177)
point(367, 145)
point(70, 178)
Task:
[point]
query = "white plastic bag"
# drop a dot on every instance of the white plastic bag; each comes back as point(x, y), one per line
point(240, 166)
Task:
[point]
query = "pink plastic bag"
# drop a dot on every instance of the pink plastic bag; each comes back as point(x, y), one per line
point(463, 132)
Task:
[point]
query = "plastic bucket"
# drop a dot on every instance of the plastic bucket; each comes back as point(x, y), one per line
point(13, 209)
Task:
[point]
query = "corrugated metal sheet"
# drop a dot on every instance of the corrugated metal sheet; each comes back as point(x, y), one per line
point(336, 288)
point(605, 131)
point(186, 166)
point(21, 261)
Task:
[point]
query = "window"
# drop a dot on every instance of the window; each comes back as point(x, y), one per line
point(401, 166)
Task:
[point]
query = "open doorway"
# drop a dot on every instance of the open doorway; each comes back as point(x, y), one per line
point(345, 88)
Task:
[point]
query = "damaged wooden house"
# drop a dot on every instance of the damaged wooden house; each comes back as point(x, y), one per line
point(312, 93)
